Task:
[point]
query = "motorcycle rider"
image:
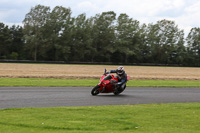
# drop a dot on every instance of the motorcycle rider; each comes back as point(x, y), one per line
point(122, 78)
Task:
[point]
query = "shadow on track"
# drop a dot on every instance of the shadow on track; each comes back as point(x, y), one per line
point(112, 95)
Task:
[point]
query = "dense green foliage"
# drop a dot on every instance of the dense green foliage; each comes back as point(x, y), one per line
point(54, 35)
point(151, 118)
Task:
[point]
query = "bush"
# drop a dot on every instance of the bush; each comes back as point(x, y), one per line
point(14, 56)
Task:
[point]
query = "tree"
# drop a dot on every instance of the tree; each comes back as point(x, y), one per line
point(81, 47)
point(17, 42)
point(55, 36)
point(193, 45)
point(5, 41)
point(142, 52)
point(103, 35)
point(126, 43)
point(164, 39)
point(34, 23)
point(55, 49)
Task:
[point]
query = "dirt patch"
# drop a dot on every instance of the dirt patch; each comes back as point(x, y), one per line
point(9, 70)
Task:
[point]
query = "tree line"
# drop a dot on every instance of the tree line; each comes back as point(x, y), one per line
point(54, 35)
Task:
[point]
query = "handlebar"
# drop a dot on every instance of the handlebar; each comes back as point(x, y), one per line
point(105, 71)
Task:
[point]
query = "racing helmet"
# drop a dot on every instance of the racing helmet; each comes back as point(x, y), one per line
point(120, 70)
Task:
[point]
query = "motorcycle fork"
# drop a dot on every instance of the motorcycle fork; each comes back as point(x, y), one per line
point(102, 89)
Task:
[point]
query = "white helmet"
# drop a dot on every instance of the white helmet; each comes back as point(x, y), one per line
point(120, 70)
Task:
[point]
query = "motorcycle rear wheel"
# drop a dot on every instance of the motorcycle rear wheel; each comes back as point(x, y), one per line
point(120, 91)
point(95, 91)
point(116, 93)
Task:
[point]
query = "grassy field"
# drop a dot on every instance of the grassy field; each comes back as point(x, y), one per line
point(93, 82)
point(152, 118)
point(9, 70)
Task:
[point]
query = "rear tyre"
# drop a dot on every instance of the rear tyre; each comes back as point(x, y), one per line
point(116, 93)
point(95, 90)
point(119, 91)
point(123, 89)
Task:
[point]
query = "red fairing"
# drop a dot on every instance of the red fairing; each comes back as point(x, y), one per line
point(109, 87)
point(107, 84)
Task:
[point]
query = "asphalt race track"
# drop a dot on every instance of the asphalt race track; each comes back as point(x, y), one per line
point(19, 97)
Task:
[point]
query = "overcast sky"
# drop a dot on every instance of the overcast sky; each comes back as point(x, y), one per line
point(185, 13)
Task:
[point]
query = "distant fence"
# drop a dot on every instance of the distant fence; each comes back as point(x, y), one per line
point(89, 63)
point(31, 61)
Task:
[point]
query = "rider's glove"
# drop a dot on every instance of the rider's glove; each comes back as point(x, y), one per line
point(118, 85)
point(107, 72)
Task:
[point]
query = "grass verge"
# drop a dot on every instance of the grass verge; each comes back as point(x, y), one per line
point(161, 118)
point(92, 82)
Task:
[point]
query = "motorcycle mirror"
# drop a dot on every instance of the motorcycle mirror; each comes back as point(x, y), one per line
point(105, 71)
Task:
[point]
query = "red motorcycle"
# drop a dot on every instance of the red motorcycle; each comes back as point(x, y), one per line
point(107, 85)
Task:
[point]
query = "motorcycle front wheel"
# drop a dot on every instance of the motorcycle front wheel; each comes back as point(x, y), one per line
point(95, 90)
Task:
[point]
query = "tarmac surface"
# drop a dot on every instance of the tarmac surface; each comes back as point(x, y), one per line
point(20, 97)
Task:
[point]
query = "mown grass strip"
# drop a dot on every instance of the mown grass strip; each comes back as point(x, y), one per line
point(164, 83)
point(92, 82)
point(160, 118)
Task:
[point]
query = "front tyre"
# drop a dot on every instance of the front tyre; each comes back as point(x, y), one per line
point(95, 90)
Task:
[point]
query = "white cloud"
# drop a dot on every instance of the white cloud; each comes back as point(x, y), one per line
point(91, 9)
point(190, 18)
point(143, 7)
point(185, 13)
point(193, 8)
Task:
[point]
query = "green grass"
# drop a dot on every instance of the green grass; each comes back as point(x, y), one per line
point(92, 82)
point(151, 118)
point(164, 83)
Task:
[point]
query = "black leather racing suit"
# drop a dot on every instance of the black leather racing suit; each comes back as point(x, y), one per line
point(122, 79)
